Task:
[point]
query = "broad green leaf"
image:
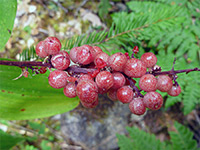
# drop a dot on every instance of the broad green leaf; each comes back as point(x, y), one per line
point(8, 141)
point(8, 10)
point(29, 98)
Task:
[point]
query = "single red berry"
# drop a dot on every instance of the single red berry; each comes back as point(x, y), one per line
point(137, 106)
point(102, 56)
point(61, 60)
point(85, 77)
point(164, 83)
point(40, 50)
point(70, 90)
point(135, 68)
point(149, 59)
point(90, 105)
point(94, 73)
point(97, 49)
point(87, 91)
point(112, 94)
point(43, 70)
point(125, 94)
point(73, 54)
point(135, 49)
point(174, 91)
point(104, 80)
point(117, 61)
point(119, 80)
point(148, 83)
point(85, 55)
point(25, 73)
point(153, 100)
point(52, 45)
point(127, 55)
point(58, 79)
point(100, 63)
point(71, 79)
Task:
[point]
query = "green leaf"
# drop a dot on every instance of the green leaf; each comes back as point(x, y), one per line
point(8, 141)
point(124, 142)
point(182, 138)
point(7, 16)
point(29, 98)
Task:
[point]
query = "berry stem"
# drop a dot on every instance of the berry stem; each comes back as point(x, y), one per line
point(132, 84)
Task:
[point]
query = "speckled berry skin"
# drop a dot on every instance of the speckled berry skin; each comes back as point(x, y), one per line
point(104, 80)
point(70, 90)
point(40, 50)
point(58, 79)
point(148, 83)
point(112, 94)
point(73, 54)
point(153, 100)
point(125, 94)
point(103, 56)
point(85, 77)
point(135, 68)
point(119, 80)
point(87, 91)
point(90, 105)
point(97, 49)
point(164, 83)
point(137, 106)
point(85, 55)
point(61, 60)
point(52, 45)
point(117, 61)
point(174, 91)
point(149, 59)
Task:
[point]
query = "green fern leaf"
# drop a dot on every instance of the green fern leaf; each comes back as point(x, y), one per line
point(125, 143)
point(182, 138)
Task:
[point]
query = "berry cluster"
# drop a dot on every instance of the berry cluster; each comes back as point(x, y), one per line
point(96, 72)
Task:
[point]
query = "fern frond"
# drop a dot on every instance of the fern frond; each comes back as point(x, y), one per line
point(182, 138)
point(125, 143)
point(28, 54)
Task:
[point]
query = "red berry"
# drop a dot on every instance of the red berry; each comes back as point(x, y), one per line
point(70, 90)
point(112, 94)
point(135, 68)
point(97, 49)
point(61, 60)
point(25, 73)
point(117, 61)
point(153, 100)
point(135, 49)
point(73, 54)
point(125, 94)
point(104, 80)
point(90, 105)
point(52, 45)
point(100, 63)
point(164, 83)
point(174, 91)
point(149, 59)
point(85, 77)
point(103, 56)
point(85, 54)
point(87, 91)
point(148, 83)
point(119, 80)
point(43, 70)
point(137, 106)
point(40, 50)
point(58, 79)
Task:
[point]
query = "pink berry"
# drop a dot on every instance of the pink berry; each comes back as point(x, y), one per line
point(58, 79)
point(85, 55)
point(125, 94)
point(61, 60)
point(90, 105)
point(174, 91)
point(149, 59)
point(52, 45)
point(117, 61)
point(135, 68)
point(104, 80)
point(112, 94)
point(103, 56)
point(148, 83)
point(70, 90)
point(164, 83)
point(40, 50)
point(73, 54)
point(137, 106)
point(119, 80)
point(87, 91)
point(153, 100)
point(85, 77)
point(97, 49)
